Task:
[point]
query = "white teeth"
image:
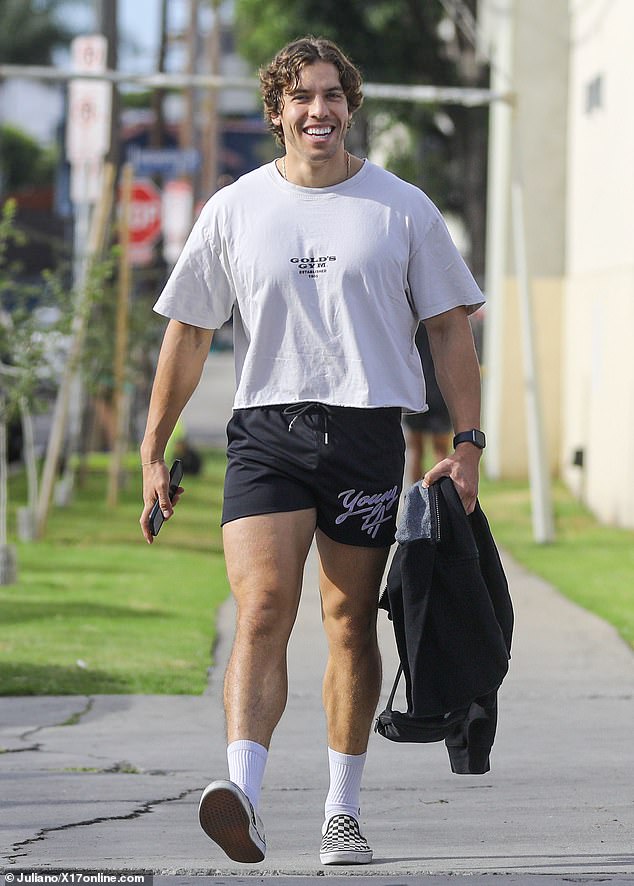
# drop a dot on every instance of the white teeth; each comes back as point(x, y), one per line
point(314, 131)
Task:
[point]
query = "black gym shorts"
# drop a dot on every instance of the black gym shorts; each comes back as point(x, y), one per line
point(345, 462)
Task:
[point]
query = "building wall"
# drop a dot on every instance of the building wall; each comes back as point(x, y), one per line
point(537, 76)
point(598, 364)
point(547, 304)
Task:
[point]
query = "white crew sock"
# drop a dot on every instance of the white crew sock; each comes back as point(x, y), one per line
point(346, 771)
point(247, 760)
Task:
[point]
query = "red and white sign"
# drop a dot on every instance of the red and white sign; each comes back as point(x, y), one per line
point(89, 103)
point(89, 53)
point(177, 210)
point(144, 220)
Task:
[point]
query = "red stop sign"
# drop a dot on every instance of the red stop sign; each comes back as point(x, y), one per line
point(145, 213)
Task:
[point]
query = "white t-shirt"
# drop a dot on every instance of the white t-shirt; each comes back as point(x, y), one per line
point(326, 286)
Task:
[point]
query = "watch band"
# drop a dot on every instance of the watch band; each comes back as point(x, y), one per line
point(474, 436)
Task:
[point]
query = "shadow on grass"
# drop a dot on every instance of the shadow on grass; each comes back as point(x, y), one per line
point(17, 612)
point(72, 566)
point(24, 678)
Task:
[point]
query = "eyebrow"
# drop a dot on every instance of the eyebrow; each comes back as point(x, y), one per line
point(302, 90)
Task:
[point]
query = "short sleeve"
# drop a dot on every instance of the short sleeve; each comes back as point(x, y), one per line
point(199, 290)
point(438, 277)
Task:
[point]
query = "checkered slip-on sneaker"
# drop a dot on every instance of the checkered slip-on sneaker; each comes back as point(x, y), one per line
point(227, 816)
point(343, 842)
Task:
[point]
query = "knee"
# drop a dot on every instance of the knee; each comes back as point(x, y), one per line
point(351, 632)
point(262, 616)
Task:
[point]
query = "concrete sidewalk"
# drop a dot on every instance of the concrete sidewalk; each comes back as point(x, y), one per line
point(112, 782)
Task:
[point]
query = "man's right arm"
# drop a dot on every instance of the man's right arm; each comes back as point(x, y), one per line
point(180, 364)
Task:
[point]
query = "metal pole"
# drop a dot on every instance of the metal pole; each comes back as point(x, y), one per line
point(109, 28)
point(74, 405)
point(543, 524)
point(450, 95)
point(500, 142)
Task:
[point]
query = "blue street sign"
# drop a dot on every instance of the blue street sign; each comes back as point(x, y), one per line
point(169, 162)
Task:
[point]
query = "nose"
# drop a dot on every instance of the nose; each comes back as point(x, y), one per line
point(318, 107)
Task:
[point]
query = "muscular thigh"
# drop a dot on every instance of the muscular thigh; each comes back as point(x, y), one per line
point(265, 556)
point(350, 578)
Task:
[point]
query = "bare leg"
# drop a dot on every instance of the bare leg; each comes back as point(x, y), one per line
point(350, 579)
point(440, 444)
point(415, 448)
point(265, 558)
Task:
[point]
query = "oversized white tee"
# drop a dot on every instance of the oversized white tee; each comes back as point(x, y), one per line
point(326, 286)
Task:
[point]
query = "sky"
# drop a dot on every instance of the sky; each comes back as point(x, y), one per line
point(139, 24)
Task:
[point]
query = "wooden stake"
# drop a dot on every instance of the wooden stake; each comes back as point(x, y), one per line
point(121, 339)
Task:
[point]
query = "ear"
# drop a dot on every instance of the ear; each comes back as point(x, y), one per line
point(277, 119)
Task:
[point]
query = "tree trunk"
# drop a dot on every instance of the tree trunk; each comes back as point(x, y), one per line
point(26, 515)
point(4, 473)
point(8, 564)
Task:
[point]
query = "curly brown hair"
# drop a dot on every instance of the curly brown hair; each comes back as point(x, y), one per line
point(285, 69)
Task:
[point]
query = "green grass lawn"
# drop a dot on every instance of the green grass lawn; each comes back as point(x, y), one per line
point(590, 563)
point(97, 610)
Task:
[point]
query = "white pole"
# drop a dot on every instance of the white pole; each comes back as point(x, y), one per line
point(64, 490)
point(543, 524)
point(425, 94)
point(500, 144)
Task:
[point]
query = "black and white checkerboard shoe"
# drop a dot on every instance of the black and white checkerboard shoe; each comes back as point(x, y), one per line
point(228, 818)
point(343, 842)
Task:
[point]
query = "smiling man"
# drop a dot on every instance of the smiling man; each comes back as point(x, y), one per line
point(327, 264)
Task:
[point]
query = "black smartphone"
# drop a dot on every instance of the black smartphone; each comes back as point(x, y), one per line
point(156, 518)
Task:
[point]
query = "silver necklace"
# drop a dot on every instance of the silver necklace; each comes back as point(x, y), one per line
point(347, 166)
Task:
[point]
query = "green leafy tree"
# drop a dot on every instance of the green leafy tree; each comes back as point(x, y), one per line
point(28, 355)
point(23, 161)
point(31, 30)
point(390, 40)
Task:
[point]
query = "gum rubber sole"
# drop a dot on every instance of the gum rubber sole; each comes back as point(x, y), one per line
point(224, 819)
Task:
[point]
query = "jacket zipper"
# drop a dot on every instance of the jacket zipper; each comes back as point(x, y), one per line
point(434, 508)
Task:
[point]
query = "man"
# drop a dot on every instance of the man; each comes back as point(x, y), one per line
point(327, 263)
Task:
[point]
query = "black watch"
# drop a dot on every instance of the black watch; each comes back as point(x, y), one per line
point(474, 436)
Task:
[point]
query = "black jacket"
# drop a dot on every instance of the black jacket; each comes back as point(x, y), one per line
point(448, 598)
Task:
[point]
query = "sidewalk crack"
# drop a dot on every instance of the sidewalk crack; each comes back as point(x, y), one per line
point(33, 747)
point(72, 720)
point(136, 813)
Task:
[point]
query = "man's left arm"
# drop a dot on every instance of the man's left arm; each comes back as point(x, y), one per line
point(458, 374)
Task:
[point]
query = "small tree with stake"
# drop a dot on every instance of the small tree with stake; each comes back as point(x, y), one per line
point(25, 354)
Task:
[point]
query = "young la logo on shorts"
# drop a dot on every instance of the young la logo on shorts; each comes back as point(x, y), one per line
point(310, 267)
point(373, 509)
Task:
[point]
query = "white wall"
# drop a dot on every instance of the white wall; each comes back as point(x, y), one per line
point(534, 67)
point(598, 345)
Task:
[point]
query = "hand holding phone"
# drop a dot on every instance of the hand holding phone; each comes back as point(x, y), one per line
point(156, 518)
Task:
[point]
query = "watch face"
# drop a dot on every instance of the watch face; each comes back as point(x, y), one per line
point(479, 439)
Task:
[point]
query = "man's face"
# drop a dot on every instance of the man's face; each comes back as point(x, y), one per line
point(314, 115)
